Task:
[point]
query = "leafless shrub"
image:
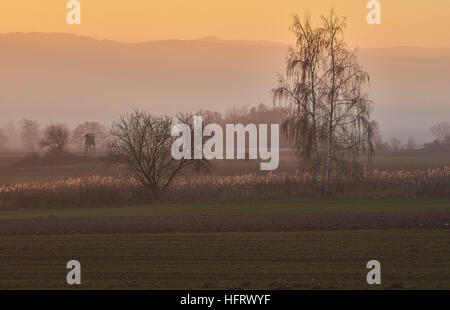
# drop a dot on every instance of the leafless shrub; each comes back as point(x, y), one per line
point(56, 138)
point(441, 131)
point(396, 144)
point(143, 143)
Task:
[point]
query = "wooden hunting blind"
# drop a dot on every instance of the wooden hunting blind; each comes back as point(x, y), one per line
point(89, 143)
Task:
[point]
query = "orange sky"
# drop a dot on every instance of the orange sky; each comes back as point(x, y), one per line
point(404, 22)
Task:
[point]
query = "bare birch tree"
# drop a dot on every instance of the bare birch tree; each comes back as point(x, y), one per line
point(329, 114)
point(347, 109)
point(298, 89)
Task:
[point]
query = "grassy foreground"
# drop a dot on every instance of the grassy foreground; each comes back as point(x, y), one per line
point(245, 207)
point(409, 259)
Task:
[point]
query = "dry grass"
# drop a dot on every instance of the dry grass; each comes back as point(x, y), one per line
point(108, 191)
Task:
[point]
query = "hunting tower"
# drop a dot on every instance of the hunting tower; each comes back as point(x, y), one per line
point(89, 143)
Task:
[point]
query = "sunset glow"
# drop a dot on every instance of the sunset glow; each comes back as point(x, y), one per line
point(411, 23)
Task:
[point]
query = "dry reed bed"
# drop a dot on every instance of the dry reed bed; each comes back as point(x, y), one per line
point(99, 191)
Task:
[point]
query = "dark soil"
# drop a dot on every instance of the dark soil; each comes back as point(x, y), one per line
point(224, 223)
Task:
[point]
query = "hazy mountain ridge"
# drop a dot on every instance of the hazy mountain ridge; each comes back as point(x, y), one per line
point(68, 78)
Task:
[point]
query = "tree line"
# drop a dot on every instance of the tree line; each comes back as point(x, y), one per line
point(54, 137)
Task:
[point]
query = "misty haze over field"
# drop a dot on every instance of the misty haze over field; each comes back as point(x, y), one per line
point(71, 79)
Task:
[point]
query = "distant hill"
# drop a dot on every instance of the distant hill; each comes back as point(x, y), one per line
point(63, 77)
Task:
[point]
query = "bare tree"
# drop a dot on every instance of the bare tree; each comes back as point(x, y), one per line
point(143, 143)
point(396, 144)
point(347, 108)
point(378, 143)
point(56, 138)
point(210, 116)
point(29, 134)
point(329, 115)
point(441, 131)
point(3, 139)
point(298, 89)
point(411, 143)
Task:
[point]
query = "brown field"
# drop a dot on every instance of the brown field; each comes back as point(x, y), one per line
point(247, 245)
point(243, 230)
point(222, 223)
